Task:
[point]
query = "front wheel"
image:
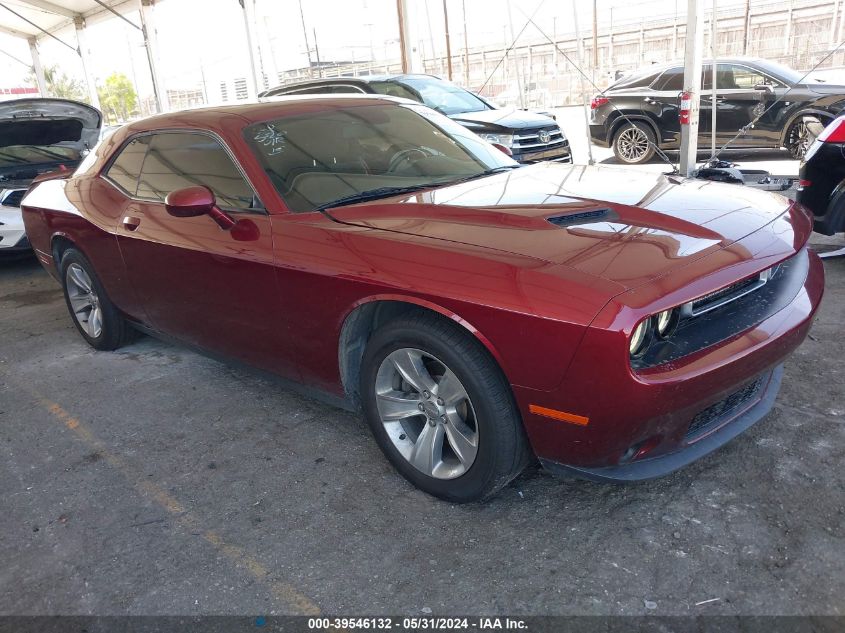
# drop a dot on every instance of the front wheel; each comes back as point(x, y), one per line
point(441, 409)
point(95, 316)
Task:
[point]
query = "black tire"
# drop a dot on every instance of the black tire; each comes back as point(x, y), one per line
point(640, 154)
point(502, 448)
point(802, 134)
point(114, 331)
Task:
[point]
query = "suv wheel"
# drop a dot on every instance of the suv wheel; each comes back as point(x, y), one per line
point(801, 135)
point(633, 143)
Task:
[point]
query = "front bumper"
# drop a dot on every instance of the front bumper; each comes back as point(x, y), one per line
point(722, 430)
point(12, 231)
point(561, 153)
point(655, 410)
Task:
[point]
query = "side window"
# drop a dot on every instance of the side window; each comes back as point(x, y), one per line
point(176, 160)
point(345, 89)
point(126, 168)
point(730, 77)
point(672, 80)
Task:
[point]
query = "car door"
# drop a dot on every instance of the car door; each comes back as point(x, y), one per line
point(664, 98)
point(207, 286)
point(743, 94)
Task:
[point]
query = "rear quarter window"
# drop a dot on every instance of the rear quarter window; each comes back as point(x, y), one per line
point(126, 166)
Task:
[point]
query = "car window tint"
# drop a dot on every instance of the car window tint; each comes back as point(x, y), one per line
point(126, 168)
point(345, 89)
point(636, 80)
point(393, 89)
point(672, 79)
point(178, 160)
point(732, 77)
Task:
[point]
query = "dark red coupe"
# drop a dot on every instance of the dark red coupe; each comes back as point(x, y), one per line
point(614, 325)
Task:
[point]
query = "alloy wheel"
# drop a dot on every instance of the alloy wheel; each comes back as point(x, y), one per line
point(426, 413)
point(84, 301)
point(632, 144)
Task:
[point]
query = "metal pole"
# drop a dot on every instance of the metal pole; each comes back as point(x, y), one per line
point(252, 84)
point(151, 45)
point(37, 67)
point(305, 35)
point(692, 85)
point(404, 35)
point(448, 42)
point(466, 45)
point(595, 39)
point(516, 59)
point(584, 99)
point(746, 27)
point(317, 52)
point(79, 23)
point(713, 63)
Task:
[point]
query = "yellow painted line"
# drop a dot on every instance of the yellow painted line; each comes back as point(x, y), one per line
point(282, 592)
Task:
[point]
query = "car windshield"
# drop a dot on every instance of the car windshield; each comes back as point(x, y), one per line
point(16, 155)
point(444, 96)
point(339, 155)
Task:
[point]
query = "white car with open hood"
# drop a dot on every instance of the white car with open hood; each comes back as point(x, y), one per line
point(38, 136)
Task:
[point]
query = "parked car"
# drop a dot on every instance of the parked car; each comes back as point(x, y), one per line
point(613, 324)
point(38, 136)
point(746, 87)
point(530, 136)
point(821, 184)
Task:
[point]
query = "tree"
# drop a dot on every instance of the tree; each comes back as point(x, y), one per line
point(60, 86)
point(118, 98)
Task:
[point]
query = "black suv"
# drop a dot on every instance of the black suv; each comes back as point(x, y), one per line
point(745, 87)
point(529, 136)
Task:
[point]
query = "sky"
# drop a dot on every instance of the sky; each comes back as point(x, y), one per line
point(205, 39)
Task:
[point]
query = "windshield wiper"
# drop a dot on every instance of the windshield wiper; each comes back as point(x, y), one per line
point(486, 172)
point(374, 194)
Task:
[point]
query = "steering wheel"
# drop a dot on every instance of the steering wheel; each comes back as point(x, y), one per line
point(403, 156)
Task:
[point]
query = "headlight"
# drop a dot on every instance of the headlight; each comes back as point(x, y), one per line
point(638, 337)
point(664, 322)
point(501, 139)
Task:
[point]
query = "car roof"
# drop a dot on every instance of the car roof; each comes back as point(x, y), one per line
point(361, 79)
point(255, 112)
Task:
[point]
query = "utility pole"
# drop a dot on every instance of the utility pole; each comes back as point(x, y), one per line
point(747, 23)
point(466, 45)
point(448, 41)
point(595, 39)
point(516, 59)
point(692, 85)
point(317, 51)
point(305, 35)
point(584, 93)
point(713, 63)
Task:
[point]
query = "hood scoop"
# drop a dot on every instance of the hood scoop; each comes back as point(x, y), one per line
point(583, 217)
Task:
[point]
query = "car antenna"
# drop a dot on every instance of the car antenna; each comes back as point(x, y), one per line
point(657, 150)
point(714, 160)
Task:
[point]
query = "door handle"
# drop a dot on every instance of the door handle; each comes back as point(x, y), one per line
point(131, 222)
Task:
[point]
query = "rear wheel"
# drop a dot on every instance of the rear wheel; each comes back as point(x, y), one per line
point(95, 316)
point(441, 410)
point(802, 134)
point(634, 143)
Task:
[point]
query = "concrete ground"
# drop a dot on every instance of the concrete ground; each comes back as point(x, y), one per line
point(153, 480)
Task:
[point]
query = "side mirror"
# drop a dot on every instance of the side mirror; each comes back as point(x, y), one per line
point(191, 202)
point(765, 88)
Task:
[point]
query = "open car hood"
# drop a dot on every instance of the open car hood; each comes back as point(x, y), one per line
point(49, 122)
point(506, 118)
point(628, 227)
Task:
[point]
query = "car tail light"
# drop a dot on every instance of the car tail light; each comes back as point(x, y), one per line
point(834, 133)
point(598, 102)
point(803, 184)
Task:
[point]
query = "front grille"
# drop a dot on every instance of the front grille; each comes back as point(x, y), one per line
point(530, 139)
point(714, 414)
point(726, 294)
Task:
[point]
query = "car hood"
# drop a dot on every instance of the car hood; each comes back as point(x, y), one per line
point(510, 119)
point(49, 122)
point(624, 226)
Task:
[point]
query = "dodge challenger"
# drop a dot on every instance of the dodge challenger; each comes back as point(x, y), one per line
point(613, 325)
